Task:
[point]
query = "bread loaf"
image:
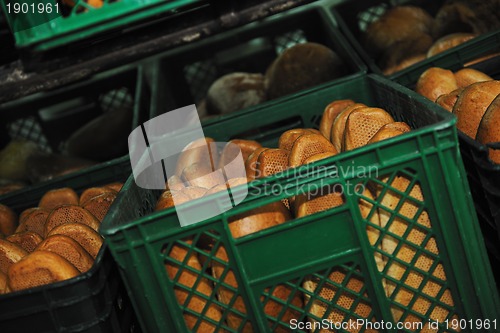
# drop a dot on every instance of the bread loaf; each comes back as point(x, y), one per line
point(472, 104)
point(166, 200)
point(362, 124)
point(8, 220)
point(252, 163)
point(58, 197)
point(308, 145)
point(229, 153)
point(87, 237)
point(288, 138)
point(338, 127)
point(70, 214)
point(40, 268)
point(92, 192)
point(447, 101)
point(449, 41)
point(27, 240)
point(202, 151)
point(489, 128)
point(10, 253)
point(201, 175)
point(435, 82)
point(389, 131)
point(467, 76)
point(99, 205)
point(194, 192)
point(35, 221)
point(69, 249)
point(331, 112)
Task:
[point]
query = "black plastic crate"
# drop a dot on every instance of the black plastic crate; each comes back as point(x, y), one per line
point(354, 16)
point(183, 76)
point(95, 301)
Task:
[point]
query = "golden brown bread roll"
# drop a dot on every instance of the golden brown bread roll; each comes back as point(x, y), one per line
point(201, 175)
point(308, 145)
point(396, 24)
point(435, 82)
point(472, 104)
point(10, 253)
point(70, 214)
point(92, 192)
point(389, 131)
point(449, 41)
point(203, 151)
point(35, 221)
point(166, 200)
point(99, 205)
point(188, 278)
point(489, 129)
point(331, 112)
point(58, 197)
point(69, 249)
point(235, 91)
point(467, 76)
point(300, 67)
point(288, 137)
point(87, 237)
point(272, 161)
point(338, 127)
point(8, 220)
point(228, 154)
point(40, 268)
point(362, 124)
point(28, 240)
point(447, 101)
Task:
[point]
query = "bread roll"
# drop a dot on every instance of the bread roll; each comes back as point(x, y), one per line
point(272, 161)
point(489, 129)
point(166, 200)
point(235, 91)
point(200, 175)
point(70, 214)
point(99, 205)
point(87, 237)
point(10, 253)
point(447, 42)
point(472, 104)
point(331, 112)
point(58, 197)
point(188, 278)
point(362, 124)
point(338, 127)
point(8, 220)
point(229, 152)
point(318, 157)
point(175, 183)
point(396, 24)
point(69, 249)
point(467, 76)
point(287, 138)
point(251, 164)
point(92, 192)
point(308, 145)
point(40, 268)
point(202, 151)
point(25, 213)
point(447, 101)
point(435, 82)
point(27, 240)
point(35, 221)
point(302, 66)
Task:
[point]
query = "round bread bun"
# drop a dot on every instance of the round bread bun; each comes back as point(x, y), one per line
point(449, 41)
point(92, 192)
point(40, 268)
point(338, 127)
point(308, 145)
point(447, 101)
point(10, 253)
point(235, 91)
point(28, 240)
point(399, 23)
point(472, 103)
point(331, 112)
point(202, 151)
point(435, 82)
point(87, 237)
point(362, 124)
point(70, 214)
point(467, 76)
point(69, 249)
point(8, 220)
point(99, 205)
point(58, 197)
point(489, 129)
point(300, 67)
point(35, 221)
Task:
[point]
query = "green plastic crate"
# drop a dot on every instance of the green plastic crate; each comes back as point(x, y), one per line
point(354, 16)
point(319, 246)
point(46, 30)
point(183, 76)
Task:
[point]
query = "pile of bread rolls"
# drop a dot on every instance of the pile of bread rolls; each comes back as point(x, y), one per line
point(345, 125)
point(472, 96)
point(298, 67)
point(55, 241)
point(405, 35)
